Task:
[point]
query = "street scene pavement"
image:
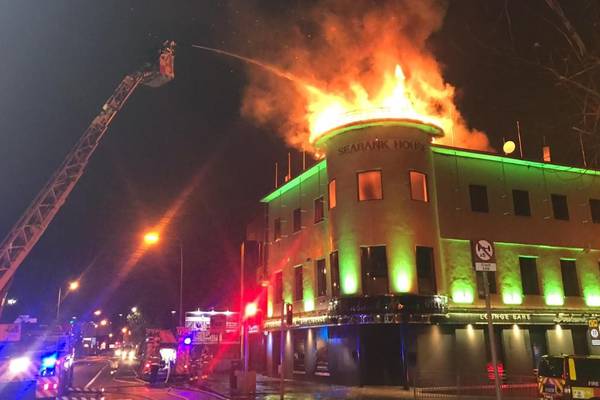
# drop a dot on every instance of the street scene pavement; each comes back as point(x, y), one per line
point(93, 378)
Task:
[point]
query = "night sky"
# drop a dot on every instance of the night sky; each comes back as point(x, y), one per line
point(62, 59)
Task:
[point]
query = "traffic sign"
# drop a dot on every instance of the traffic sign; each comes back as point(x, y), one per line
point(483, 255)
point(594, 331)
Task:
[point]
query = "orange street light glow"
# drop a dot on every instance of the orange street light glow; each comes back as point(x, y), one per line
point(97, 312)
point(74, 285)
point(124, 330)
point(104, 322)
point(151, 238)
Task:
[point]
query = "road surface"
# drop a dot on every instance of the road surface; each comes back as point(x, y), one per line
point(94, 379)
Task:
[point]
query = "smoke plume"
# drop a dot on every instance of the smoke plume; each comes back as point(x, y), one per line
point(345, 54)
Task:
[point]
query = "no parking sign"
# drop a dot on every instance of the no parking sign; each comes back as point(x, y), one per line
point(483, 255)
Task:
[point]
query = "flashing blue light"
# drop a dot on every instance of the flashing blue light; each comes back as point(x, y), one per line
point(187, 340)
point(49, 362)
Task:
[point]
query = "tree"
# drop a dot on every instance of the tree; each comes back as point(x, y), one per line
point(137, 324)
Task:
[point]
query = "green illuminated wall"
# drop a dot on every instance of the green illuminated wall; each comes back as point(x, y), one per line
point(459, 269)
point(401, 259)
point(462, 286)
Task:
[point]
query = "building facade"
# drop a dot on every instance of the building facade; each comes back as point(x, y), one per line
point(372, 247)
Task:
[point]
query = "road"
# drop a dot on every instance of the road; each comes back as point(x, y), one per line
point(94, 379)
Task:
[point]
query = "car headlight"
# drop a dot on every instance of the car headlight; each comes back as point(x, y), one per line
point(19, 365)
point(117, 352)
point(131, 355)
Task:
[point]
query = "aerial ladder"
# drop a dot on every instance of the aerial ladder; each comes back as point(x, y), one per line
point(31, 226)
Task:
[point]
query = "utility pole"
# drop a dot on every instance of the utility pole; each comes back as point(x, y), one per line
point(491, 334)
point(282, 353)
point(483, 255)
point(180, 283)
point(58, 302)
point(241, 314)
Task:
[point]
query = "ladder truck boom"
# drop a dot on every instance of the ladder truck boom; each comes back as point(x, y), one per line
point(27, 231)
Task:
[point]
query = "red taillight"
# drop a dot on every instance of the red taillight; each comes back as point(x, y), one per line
point(46, 386)
point(147, 365)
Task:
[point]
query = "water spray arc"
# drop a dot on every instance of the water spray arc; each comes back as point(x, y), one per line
point(267, 67)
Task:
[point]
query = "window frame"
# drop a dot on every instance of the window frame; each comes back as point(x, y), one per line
point(321, 290)
point(427, 198)
point(537, 276)
point(299, 289)
point(334, 269)
point(554, 207)
point(576, 275)
point(322, 201)
point(278, 287)
point(432, 271)
point(329, 202)
point(596, 201)
point(358, 173)
point(277, 229)
point(515, 208)
point(387, 266)
point(487, 199)
point(294, 227)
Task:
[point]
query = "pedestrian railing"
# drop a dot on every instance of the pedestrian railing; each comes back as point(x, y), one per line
point(454, 385)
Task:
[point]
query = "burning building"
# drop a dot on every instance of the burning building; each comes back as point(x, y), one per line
point(372, 247)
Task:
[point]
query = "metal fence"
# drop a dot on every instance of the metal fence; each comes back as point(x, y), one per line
point(453, 385)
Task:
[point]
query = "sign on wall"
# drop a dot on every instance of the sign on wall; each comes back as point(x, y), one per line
point(594, 331)
point(483, 255)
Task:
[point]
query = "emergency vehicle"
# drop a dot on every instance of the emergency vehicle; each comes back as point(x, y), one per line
point(157, 355)
point(569, 377)
point(35, 361)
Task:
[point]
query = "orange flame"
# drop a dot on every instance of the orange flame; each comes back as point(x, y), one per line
point(394, 100)
point(355, 61)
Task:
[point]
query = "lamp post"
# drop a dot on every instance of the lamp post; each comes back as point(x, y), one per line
point(73, 286)
point(152, 238)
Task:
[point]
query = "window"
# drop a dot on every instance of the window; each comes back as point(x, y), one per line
point(529, 276)
point(425, 271)
point(560, 207)
point(332, 194)
point(374, 261)
point(297, 219)
point(278, 288)
point(298, 283)
point(277, 229)
point(334, 266)
point(491, 282)
point(479, 199)
point(521, 203)
point(319, 211)
point(568, 270)
point(374, 270)
point(369, 186)
point(321, 275)
point(418, 186)
point(595, 209)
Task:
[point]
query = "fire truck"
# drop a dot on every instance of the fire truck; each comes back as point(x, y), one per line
point(35, 361)
point(157, 355)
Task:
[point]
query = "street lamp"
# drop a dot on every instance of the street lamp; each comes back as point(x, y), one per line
point(71, 287)
point(152, 238)
point(97, 312)
point(134, 309)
